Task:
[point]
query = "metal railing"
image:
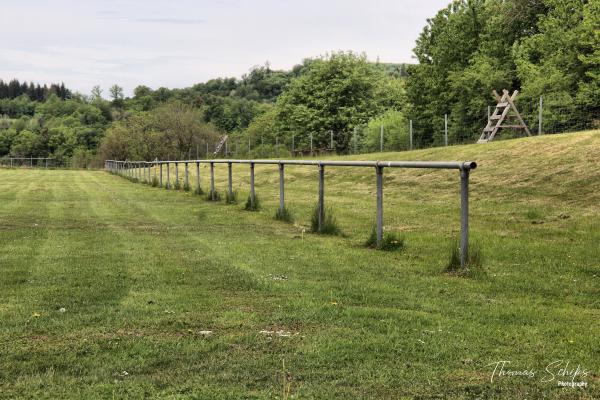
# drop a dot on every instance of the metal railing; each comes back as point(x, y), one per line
point(141, 170)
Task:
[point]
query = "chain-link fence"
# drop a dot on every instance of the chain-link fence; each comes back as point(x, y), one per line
point(403, 134)
point(29, 162)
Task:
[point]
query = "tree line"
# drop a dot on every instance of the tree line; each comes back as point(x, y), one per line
point(543, 48)
point(546, 48)
point(33, 91)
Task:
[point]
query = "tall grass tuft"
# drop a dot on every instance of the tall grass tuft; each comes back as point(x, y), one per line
point(284, 215)
point(198, 191)
point(186, 187)
point(230, 198)
point(213, 196)
point(390, 242)
point(154, 182)
point(249, 206)
point(329, 227)
point(474, 259)
point(177, 185)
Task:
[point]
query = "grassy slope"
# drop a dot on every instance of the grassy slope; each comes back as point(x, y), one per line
point(141, 271)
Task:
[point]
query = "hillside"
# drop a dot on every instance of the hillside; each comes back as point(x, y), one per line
point(112, 289)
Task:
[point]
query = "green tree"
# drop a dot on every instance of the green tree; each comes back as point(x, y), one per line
point(116, 94)
point(335, 93)
point(395, 132)
point(96, 93)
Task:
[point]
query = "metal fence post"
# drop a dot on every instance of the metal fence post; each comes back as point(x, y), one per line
point(198, 177)
point(379, 172)
point(212, 181)
point(464, 216)
point(331, 140)
point(252, 192)
point(229, 180)
point(176, 175)
point(160, 183)
point(168, 175)
point(321, 196)
point(540, 117)
point(186, 182)
point(411, 135)
point(446, 129)
point(281, 189)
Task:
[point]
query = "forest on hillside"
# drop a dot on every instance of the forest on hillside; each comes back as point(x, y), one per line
point(543, 48)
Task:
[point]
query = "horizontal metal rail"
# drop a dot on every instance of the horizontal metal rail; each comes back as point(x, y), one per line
point(391, 164)
point(134, 169)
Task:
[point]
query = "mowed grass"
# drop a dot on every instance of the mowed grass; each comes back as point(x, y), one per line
point(142, 273)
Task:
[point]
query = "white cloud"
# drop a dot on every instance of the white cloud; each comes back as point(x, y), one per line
point(177, 43)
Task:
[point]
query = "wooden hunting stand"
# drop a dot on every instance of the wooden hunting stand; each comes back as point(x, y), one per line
point(502, 113)
point(220, 144)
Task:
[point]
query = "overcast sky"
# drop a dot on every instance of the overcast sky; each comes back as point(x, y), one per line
point(176, 43)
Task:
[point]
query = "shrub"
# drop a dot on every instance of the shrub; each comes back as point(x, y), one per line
point(329, 227)
point(284, 215)
point(390, 241)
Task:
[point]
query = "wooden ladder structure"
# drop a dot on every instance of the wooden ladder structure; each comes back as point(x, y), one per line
point(502, 113)
point(220, 145)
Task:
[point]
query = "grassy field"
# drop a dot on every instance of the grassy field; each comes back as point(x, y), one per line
point(114, 290)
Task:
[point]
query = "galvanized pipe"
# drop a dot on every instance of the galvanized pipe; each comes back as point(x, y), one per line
point(379, 172)
point(198, 177)
point(321, 197)
point(464, 216)
point(160, 183)
point(186, 184)
point(212, 181)
point(229, 181)
point(281, 189)
point(168, 176)
point(339, 163)
point(252, 192)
